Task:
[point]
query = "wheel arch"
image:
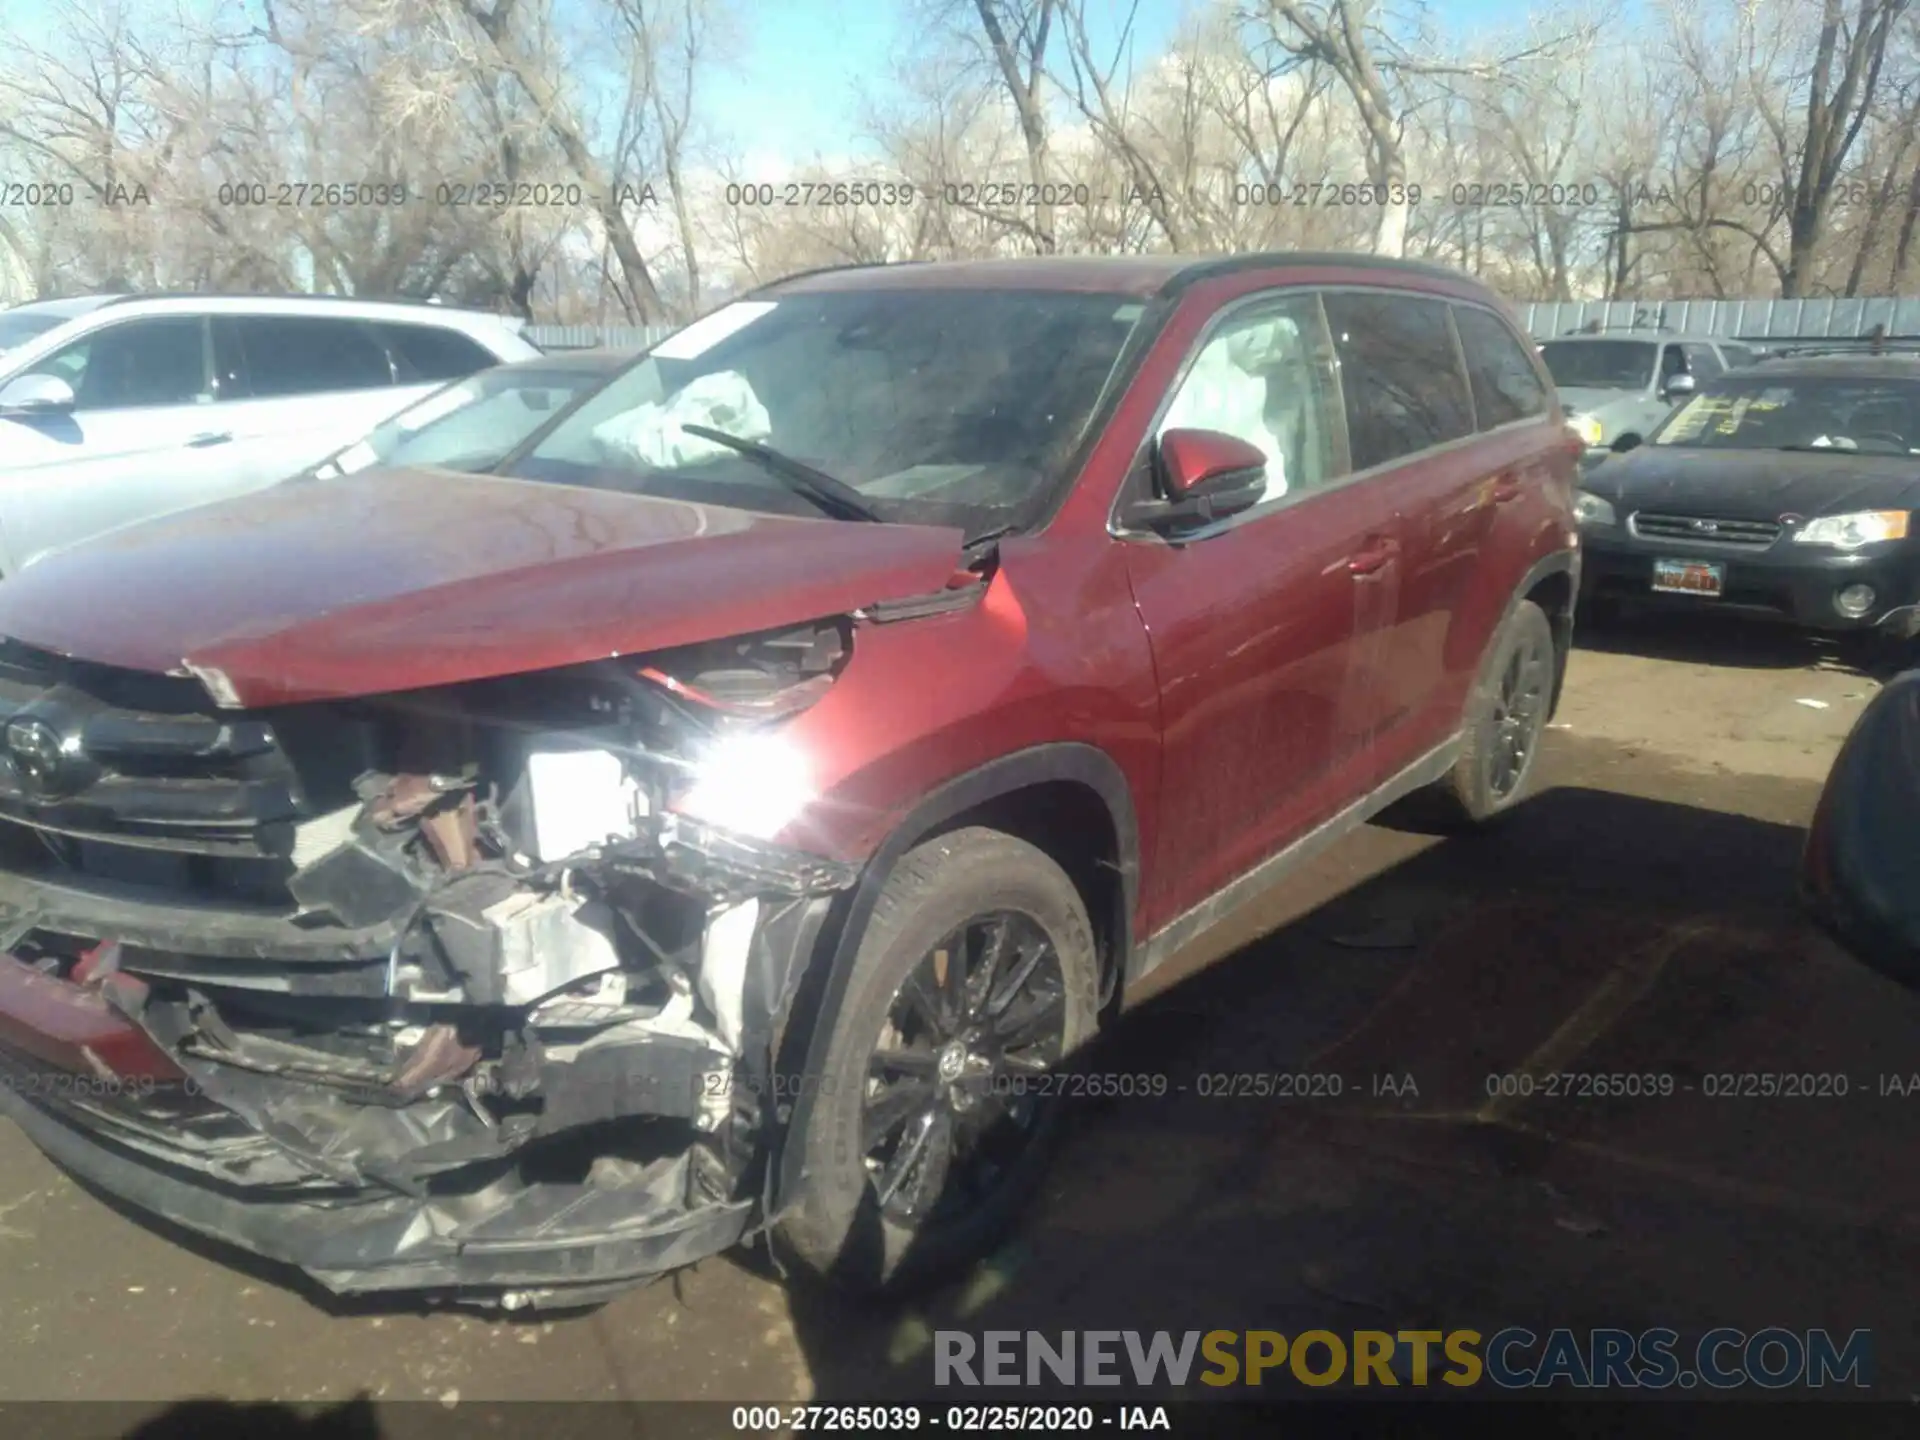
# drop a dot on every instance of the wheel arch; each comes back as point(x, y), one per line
point(1046, 794)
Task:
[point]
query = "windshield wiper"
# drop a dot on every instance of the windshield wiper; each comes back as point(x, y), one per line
point(832, 495)
point(1824, 450)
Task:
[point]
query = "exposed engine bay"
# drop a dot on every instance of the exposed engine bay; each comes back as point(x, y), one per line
point(453, 968)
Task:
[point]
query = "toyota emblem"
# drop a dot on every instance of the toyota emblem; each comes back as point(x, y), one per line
point(34, 748)
point(1706, 527)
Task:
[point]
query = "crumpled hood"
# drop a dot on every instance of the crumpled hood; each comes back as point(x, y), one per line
point(395, 579)
point(1755, 484)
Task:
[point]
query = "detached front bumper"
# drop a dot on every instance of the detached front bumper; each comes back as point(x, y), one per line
point(609, 1147)
point(1799, 584)
point(509, 1242)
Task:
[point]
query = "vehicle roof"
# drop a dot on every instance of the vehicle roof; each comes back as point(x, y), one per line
point(1647, 334)
point(1839, 367)
point(65, 308)
point(239, 301)
point(1143, 276)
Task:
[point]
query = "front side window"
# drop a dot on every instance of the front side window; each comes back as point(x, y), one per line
point(1817, 414)
point(306, 355)
point(134, 364)
point(1263, 377)
point(1505, 385)
point(1702, 363)
point(1400, 372)
point(937, 406)
point(1599, 364)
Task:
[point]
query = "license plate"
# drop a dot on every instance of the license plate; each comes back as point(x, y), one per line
point(1689, 577)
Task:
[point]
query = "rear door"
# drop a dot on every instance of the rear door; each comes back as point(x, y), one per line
point(301, 387)
point(1264, 626)
point(1487, 509)
point(1410, 414)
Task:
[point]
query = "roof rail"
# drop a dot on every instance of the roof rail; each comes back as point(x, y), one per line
point(432, 302)
point(1595, 327)
point(1875, 344)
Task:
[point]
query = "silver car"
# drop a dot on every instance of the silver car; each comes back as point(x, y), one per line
point(1616, 385)
point(123, 407)
point(470, 425)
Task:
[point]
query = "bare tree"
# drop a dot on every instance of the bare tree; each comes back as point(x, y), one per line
point(1836, 96)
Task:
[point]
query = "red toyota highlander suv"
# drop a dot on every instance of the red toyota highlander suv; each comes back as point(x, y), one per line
point(709, 822)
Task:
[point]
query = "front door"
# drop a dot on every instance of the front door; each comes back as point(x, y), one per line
point(1266, 627)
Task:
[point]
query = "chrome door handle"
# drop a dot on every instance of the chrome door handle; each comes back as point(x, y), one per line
point(211, 438)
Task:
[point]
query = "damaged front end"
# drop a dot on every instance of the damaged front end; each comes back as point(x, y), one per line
point(473, 991)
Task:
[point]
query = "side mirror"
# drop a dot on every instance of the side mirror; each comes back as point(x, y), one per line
point(1678, 387)
point(37, 392)
point(1626, 442)
point(1205, 475)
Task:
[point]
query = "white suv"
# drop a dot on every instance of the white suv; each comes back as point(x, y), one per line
point(119, 408)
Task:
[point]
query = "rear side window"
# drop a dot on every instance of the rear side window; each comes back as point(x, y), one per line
point(1400, 372)
point(1505, 385)
point(304, 355)
point(428, 352)
point(1703, 362)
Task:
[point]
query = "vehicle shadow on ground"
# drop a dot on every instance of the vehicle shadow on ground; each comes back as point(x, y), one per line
point(1707, 639)
point(1449, 1208)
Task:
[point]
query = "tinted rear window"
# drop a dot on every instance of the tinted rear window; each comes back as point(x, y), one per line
point(1599, 364)
point(302, 355)
point(1505, 385)
point(428, 352)
point(1401, 374)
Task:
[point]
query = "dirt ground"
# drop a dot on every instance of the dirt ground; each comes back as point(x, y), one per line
point(1636, 916)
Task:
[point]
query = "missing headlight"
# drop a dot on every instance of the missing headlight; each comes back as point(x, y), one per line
point(755, 677)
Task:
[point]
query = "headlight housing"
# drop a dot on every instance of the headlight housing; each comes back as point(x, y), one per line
point(1851, 531)
point(1590, 509)
point(1588, 428)
point(754, 782)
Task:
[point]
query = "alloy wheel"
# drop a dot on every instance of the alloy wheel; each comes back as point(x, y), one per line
point(950, 1102)
point(1519, 715)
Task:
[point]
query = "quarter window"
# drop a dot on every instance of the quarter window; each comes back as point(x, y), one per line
point(1400, 371)
point(136, 363)
point(304, 355)
point(430, 352)
point(1263, 378)
point(1703, 362)
point(1505, 385)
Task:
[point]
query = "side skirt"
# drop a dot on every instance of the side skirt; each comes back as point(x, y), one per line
point(1219, 907)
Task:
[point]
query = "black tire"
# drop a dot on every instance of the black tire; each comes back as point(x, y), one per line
point(840, 1226)
point(1518, 674)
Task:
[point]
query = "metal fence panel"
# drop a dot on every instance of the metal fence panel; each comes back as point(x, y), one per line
point(595, 337)
point(1815, 319)
point(1744, 319)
